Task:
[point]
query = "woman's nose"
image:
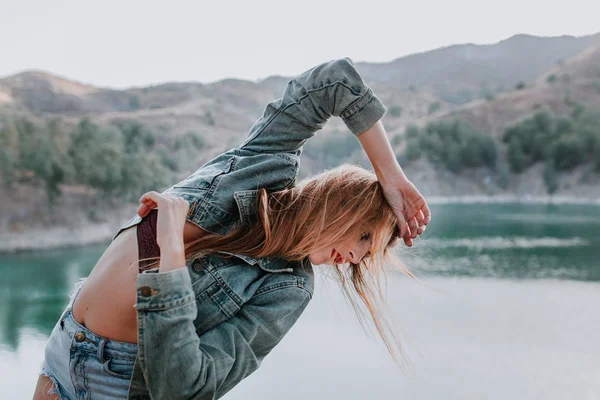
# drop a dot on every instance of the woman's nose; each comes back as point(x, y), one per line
point(358, 253)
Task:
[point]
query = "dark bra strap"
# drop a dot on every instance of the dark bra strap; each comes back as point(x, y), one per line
point(146, 237)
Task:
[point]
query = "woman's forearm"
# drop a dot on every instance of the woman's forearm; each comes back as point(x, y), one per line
point(172, 257)
point(376, 145)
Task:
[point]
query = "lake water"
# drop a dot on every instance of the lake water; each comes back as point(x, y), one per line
point(508, 307)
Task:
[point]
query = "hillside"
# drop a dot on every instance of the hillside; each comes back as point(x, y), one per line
point(216, 116)
point(461, 73)
point(574, 81)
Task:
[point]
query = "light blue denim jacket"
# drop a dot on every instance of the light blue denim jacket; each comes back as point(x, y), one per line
point(204, 328)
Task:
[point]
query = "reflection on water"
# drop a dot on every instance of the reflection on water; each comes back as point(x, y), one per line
point(489, 242)
point(35, 288)
point(513, 241)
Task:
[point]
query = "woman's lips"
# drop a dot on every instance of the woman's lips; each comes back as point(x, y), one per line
point(337, 257)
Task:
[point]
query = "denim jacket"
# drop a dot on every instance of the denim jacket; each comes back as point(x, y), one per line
point(204, 328)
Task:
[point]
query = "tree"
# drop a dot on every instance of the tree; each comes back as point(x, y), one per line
point(98, 155)
point(567, 152)
point(395, 111)
point(516, 158)
point(550, 178)
point(141, 173)
point(412, 152)
point(433, 107)
point(411, 131)
point(59, 165)
point(9, 153)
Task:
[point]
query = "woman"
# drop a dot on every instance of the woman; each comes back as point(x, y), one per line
point(234, 244)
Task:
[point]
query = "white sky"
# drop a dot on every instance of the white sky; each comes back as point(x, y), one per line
point(132, 43)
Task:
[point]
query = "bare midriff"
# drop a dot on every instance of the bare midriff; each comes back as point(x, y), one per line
point(105, 304)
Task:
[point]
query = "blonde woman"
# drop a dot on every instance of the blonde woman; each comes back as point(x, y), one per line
point(198, 287)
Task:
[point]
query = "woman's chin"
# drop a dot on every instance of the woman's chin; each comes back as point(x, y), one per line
point(317, 260)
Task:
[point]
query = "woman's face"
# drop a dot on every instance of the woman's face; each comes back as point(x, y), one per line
point(351, 250)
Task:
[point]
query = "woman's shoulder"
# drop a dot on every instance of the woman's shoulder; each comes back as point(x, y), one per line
point(222, 191)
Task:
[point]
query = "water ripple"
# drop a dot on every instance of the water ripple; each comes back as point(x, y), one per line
point(499, 243)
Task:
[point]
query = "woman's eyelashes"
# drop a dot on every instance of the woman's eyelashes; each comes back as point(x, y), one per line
point(365, 236)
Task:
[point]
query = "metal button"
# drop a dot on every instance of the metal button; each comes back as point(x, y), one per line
point(146, 291)
point(79, 337)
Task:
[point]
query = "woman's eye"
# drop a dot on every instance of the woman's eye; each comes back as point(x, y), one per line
point(365, 236)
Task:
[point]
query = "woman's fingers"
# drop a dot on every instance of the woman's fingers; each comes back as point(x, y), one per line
point(426, 214)
point(148, 202)
point(420, 217)
point(152, 200)
point(413, 226)
point(402, 225)
point(152, 196)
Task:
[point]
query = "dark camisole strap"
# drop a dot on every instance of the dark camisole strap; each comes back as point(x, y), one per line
point(146, 236)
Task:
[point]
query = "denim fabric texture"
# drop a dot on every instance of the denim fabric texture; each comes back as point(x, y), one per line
point(83, 365)
point(204, 328)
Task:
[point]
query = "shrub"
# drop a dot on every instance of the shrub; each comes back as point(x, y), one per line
point(395, 111)
point(503, 176)
point(567, 152)
point(453, 144)
point(515, 155)
point(550, 177)
point(413, 149)
point(411, 131)
point(433, 107)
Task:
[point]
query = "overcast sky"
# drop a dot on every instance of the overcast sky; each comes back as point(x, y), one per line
point(131, 43)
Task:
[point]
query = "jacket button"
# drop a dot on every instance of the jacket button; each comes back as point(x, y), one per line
point(146, 291)
point(79, 337)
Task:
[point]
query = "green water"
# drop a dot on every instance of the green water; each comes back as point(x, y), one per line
point(511, 241)
point(499, 243)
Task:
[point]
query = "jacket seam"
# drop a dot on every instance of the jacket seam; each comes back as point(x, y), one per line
point(225, 287)
point(308, 92)
point(298, 282)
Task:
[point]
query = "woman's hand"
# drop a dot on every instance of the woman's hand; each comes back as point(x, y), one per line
point(409, 206)
point(169, 227)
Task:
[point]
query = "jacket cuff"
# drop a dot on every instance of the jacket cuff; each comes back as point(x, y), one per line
point(164, 290)
point(364, 113)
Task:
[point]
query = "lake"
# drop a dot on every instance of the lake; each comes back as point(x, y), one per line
point(507, 306)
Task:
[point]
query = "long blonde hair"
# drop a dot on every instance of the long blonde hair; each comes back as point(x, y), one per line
point(329, 208)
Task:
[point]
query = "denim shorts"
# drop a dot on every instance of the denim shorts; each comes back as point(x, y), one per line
point(83, 365)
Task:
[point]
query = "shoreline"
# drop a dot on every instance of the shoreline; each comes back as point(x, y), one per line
point(90, 233)
point(511, 199)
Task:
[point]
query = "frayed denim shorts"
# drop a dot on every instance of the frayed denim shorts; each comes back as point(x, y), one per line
point(83, 365)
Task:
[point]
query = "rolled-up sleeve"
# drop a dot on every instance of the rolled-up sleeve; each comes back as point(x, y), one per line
point(331, 89)
point(219, 358)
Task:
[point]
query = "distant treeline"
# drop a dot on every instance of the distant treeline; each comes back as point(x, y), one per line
point(562, 143)
point(121, 161)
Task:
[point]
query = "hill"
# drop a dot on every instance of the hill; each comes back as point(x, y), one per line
point(574, 81)
point(461, 73)
point(178, 126)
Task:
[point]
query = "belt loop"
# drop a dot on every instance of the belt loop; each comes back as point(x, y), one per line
point(100, 354)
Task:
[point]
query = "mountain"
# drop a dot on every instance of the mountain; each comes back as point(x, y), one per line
point(557, 74)
point(573, 81)
point(460, 73)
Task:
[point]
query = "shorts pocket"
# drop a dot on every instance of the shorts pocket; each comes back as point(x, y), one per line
point(118, 368)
